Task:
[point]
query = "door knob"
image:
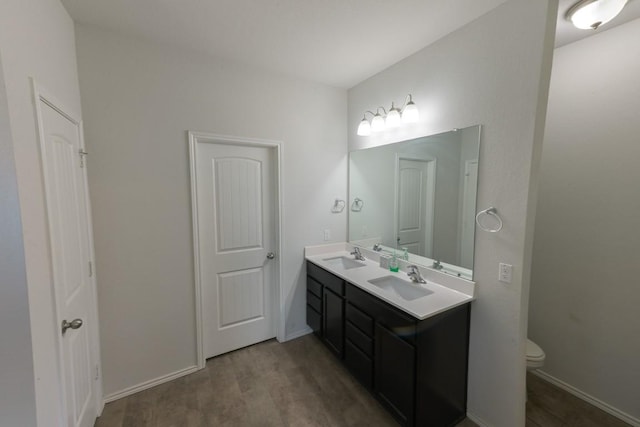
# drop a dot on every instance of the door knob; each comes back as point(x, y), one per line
point(74, 324)
point(271, 255)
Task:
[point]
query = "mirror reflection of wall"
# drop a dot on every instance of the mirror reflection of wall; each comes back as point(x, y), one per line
point(420, 195)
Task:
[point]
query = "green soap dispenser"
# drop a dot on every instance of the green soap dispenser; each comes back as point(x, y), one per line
point(393, 263)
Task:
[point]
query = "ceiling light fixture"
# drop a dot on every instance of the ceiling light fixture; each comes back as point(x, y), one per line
point(591, 14)
point(392, 119)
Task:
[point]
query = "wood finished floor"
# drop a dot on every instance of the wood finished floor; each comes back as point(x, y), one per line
point(550, 406)
point(299, 383)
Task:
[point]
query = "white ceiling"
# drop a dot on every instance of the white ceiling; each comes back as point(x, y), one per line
point(334, 42)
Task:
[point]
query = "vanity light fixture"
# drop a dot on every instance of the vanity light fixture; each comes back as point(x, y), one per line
point(378, 123)
point(395, 117)
point(591, 14)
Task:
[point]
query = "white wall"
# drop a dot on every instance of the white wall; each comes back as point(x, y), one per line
point(139, 102)
point(494, 72)
point(17, 393)
point(584, 285)
point(37, 40)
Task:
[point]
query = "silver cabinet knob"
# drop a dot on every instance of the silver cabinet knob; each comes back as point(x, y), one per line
point(271, 255)
point(74, 324)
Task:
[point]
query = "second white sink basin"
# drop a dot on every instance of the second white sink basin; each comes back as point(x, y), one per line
point(405, 290)
point(343, 262)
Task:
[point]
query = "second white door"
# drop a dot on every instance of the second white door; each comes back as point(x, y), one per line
point(67, 207)
point(235, 188)
point(414, 210)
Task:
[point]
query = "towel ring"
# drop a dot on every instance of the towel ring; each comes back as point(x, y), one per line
point(338, 206)
point(492, 212)
point(357, 205)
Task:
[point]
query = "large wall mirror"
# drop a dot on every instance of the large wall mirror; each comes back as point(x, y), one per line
point(420, 195)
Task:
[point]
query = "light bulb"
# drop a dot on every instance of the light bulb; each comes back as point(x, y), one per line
point(590, 14)
point(393, 119)
point(364, 128)
point(410, 112)
point(377, 123)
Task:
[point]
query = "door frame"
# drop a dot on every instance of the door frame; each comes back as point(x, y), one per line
point(429, 199)
point(464, 209)
point(278, 308)
point(40, 94)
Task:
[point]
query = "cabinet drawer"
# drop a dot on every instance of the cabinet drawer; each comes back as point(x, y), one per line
point(360, 340)
point(327, 279)
point(314, 287)
point(395, 320)
point(314, 302)
point(360, 319)
point(358, 364)
point(314, 320)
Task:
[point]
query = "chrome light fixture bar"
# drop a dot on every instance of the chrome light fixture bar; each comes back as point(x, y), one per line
point(391, 119)
point(591, 14)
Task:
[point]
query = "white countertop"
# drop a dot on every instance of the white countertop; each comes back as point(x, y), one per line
point(448, 291)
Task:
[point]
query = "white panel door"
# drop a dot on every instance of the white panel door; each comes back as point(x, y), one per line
point(69, 232)
point(415, 206)
point(468, 213)
point(235, 188)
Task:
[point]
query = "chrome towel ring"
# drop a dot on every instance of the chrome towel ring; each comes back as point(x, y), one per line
point(338, 206)
point(491, 211)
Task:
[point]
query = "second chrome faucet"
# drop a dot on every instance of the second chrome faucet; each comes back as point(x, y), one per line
point(414, 274)
point(357, 254)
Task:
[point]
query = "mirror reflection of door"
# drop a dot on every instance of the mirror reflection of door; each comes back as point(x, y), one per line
point(415, 204)
point(468, 213)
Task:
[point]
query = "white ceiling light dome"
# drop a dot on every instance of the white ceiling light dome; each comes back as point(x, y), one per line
point(591, 14)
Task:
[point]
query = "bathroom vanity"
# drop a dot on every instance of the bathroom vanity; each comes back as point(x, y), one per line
point(408, 347)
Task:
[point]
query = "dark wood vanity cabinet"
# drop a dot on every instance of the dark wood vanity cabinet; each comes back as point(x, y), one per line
point(416, 368)
point(314, 305)
point(329, 313)
point(333, 317)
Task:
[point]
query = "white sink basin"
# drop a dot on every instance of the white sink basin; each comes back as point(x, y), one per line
point(343, 262)
point(402, 288)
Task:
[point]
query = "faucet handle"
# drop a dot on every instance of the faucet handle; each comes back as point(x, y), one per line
point(412, 268)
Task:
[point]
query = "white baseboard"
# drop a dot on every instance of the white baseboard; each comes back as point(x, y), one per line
point(477, 420)
point(148, 384)
point(298, 334)
point(588, 398)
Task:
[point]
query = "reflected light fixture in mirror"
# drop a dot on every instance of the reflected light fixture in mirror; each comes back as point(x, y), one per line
point(392, 119)
point(591, 14)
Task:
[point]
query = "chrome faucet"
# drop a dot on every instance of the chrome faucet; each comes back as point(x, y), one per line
point(414, 274)
point(436, 265)
point(377, 247)
point(356, 252)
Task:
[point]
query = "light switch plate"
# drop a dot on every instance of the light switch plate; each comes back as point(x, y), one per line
point(505, 272)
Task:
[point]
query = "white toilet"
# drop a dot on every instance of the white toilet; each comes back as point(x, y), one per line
point(535, 355)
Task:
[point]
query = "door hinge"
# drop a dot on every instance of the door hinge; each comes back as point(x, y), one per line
point(97, 372)
point(90, 269)
point(82, 155)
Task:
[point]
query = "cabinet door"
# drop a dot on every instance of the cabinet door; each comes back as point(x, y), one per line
point(394, 381)
point(333, 317)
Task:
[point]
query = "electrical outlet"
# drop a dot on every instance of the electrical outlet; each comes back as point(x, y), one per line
point(327, 234)
point(505, 271)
